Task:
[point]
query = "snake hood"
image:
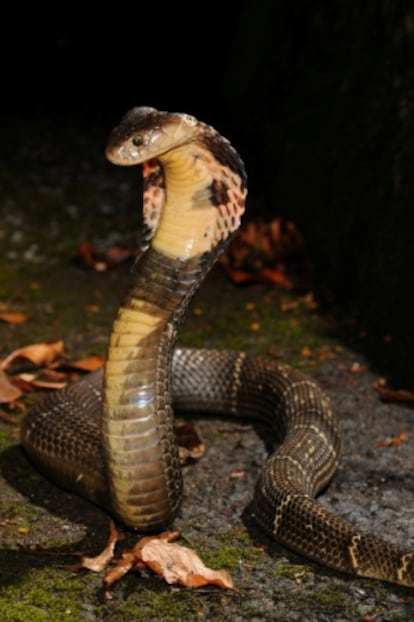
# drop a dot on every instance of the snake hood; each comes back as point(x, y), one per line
point(194, 180)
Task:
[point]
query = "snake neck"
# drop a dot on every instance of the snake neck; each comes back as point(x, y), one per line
point(142, 460)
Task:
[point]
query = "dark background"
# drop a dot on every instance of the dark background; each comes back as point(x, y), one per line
point(90, 65)
point(316, 96)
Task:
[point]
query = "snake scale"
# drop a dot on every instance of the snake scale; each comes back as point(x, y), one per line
point(110, 436)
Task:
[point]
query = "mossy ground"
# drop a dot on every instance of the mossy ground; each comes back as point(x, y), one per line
point(46, 211)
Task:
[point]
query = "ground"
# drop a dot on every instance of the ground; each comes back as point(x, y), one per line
point(50, 202)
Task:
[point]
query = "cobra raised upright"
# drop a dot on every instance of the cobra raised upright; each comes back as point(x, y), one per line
point(110, 437)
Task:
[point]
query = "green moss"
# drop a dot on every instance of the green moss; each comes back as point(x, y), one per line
point(234, 548)
point(229, 557)
point(333, 598)
point(19, 509)
point(6, 437)
point(49, 592)
point(293, 571)
point(254, 320)
point(157, 604)
point(46, 594)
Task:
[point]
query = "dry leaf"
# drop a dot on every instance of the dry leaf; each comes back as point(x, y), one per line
point(357, 368)
point(13, 317)
point(56, 376)
point(98, 563)
point(272, 275)
point(326, 353)
point(90, 363)
point(24, 382)
point(267, 252)
point(238, 474)
point(8, 392)
point(117, 254)
point(7, 521)
point(176, 564)
point(91, 257)
point(131, 560)
point(92, 308)
point(254, 327)
point(392, 395)
point(393, 442)
point(180, 565)
point(121, 568)
point(38, 354)
point(48, 384)
point(304, 302)
point(306, 352)
point(46, 378)
point(190, 445)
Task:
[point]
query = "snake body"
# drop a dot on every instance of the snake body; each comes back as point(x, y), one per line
point(110, 436)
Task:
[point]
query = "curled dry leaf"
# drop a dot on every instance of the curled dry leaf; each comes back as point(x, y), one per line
point(52, 379)
point(13, 317)
point(38, 354)
point(306, 352)
point(307, 301)
point(117, 254)
point(7, 521)
point(48, 384)
point(176, 564)
point(190, 446)
point(180, 565)
point(101, 561)
point(395, 395)
point(90, 363)
point(267, 252)
point(238, 474)
point(45, 379)
point(8, 391)
point(393, 442)
point(91, 257)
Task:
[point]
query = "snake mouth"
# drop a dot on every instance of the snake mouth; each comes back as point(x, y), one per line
point(127, 154)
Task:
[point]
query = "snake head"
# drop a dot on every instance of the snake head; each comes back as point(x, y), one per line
point(145, 133)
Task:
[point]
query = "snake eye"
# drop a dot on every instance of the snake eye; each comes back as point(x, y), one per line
point(138, 140)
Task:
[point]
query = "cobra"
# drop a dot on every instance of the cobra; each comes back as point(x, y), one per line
point(110, 436)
